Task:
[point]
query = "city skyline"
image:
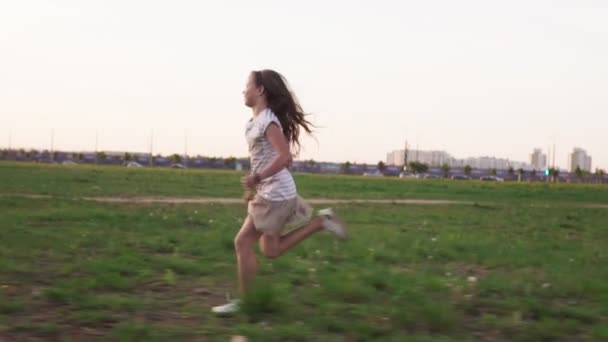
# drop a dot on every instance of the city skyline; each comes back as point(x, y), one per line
point(474, 77)
point(453, 161)
point(538, 160)
point(580, 161)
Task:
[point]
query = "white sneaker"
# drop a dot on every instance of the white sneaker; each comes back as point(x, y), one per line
point(231, 307)
point(333, 224)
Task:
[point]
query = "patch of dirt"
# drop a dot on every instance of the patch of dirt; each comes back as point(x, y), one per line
point(313, 201)
point(226, 200)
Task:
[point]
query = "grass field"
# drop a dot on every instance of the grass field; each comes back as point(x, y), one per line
point(497, 270)
point(86, 180)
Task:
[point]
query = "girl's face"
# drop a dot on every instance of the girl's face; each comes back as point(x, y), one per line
point(252, 92)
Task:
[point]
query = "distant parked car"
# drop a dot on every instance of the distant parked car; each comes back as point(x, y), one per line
point(461, 177)
point(491, 179)
point(428, 176)
point(69, 162)
point(407, 175)
point(178, 166)
point(133, 164)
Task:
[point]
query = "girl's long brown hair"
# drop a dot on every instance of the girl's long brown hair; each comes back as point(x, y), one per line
point(284, 104)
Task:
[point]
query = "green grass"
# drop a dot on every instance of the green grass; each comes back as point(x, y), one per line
point(75, 270)
point(135, 273)
point(87, 180)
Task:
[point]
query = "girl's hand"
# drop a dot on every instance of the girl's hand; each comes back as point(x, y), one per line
point(249, 182)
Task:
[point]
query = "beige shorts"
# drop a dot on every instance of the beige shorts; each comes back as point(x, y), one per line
point(274, 216)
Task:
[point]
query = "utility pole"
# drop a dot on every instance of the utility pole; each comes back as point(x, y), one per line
point(186, 148)
point(549, 167)
point(553, 154)
point(405, 151)
point(52, 144)
point(151, 146)
point(96, 145)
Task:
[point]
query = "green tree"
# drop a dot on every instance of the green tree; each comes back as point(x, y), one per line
point(493, 171)
point(553, 174)
point(446, 170)
point(230, 162)
point(511, 171)
point(468, 170)
point(418, 167)
point(381, 166)
point(579, 172)
point(345, 167)
point(424, 168)
point(100, 156)
point(175, 158)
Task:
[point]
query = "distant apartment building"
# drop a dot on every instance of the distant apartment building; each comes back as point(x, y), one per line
point(439, 158)
point(580, 159)
point(538, 160)
point(431, 158)
point(395, 158)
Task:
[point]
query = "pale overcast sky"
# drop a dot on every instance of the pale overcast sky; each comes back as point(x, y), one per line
point(470, 77)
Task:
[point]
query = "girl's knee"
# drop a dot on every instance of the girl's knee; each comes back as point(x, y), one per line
point(270, 253)
point(242, 243)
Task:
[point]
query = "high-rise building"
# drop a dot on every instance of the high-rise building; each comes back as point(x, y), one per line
point(395, 158)
point(439, 158)
point(580, 159)
point(431, 158)
point(538, 159)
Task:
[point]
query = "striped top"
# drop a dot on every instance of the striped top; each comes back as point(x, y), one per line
point(280, 186)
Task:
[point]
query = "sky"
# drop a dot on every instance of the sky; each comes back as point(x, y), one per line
point(473, 78)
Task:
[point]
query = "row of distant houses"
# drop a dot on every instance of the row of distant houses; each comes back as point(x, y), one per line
point(437, 172)
point(121, 158)
point(145, 160)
